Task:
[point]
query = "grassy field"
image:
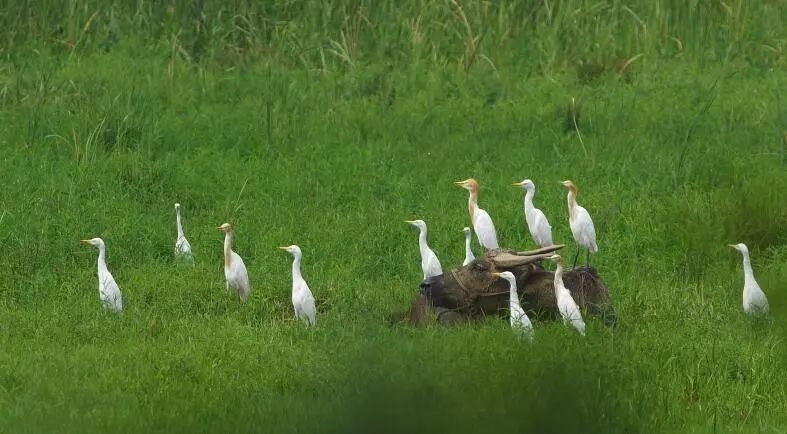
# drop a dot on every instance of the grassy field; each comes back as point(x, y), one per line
point(327, 125)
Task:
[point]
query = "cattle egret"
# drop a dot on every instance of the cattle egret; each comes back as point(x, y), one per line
point(537, 222)
point(108, 290)
point(469, 256)
point(519, 320)
point(482, 223)
point(754, 301)
point(182, 246)
point(581, 224)
point(302, 299)
point(234, 268)
point(565, 303)
point(429, 262)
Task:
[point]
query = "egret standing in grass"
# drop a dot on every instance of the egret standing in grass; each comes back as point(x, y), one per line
point(234, 268)
point(482, 223)
point(565, 303)
point(108, 290)
point(302, 299)
point(537, 222)
point(429, 262)
point(182, 246)
point(469, 256)
point(754, 301)
point(519, 319)
point(581, 224)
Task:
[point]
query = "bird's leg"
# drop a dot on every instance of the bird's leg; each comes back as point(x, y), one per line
point(574, 267)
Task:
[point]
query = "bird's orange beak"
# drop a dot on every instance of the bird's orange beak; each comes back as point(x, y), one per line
point(460, 183)
point(497, 274)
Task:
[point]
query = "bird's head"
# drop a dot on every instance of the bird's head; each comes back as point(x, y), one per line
point(226, 228)
point(295, 250)
point(466, 230)
point(740, 247)
point(507, 275)
point(570, 185)
point(177, 206)
point(98, 242)
point(468, 184)
point(556, 259)
point(526, 184)
point(420, 224)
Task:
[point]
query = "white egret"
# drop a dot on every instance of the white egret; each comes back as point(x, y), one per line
point(565, 303)
point(429, 262)
point(234, 268)
point(754, 301)
point(581, 224)
point(482, 222)
point(302, 298)
point(469, 256)
point(537, 222)
point(108, 291)
point(519, 319)
point(182, 246)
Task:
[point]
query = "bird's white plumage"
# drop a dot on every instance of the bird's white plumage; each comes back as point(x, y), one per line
point(108, 290)
point(520, 322)
point(537, 222)
point(430, 265)
point(302, 298)
point(754, 300)
point(583, 230)
point(482, 223)
point(469, 256)
point(234, 269)
point(568, 308)
point(485, 229)
point(182, 246)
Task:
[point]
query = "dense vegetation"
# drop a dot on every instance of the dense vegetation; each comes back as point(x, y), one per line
point(327, 124)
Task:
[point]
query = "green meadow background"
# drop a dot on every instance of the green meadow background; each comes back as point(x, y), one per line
point(326, 124)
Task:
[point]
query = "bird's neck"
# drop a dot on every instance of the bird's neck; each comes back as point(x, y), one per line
point(102, 258)
point(558, 280)
point(468, 244)
point(227, 248)
point(180, 225)
point(422, 244)
point(748, 273)
point(513, 296)
point(296, 268)
point(572, 203)
point(529, 200)
point(472, 203)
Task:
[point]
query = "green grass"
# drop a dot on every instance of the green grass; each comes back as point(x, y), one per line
point(264, 116)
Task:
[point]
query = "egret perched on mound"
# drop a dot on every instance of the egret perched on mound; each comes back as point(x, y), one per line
point(429, 262)
point(519, 319)
point(754, 301)
point(565, 303)
point(482, 223)
point(537, 222)
point(108, 290)
point(182, 246)
point(581, 224)
point(469, 256)
point(234, 268)
point(302, 299)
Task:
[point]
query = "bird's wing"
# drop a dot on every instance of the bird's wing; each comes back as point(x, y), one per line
point(485, 230)
point(240, 274)
point(585, 226)
point(183, 246)
point(758, 300)
point(110, 292)
point(542, 229)
point(433, 266)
